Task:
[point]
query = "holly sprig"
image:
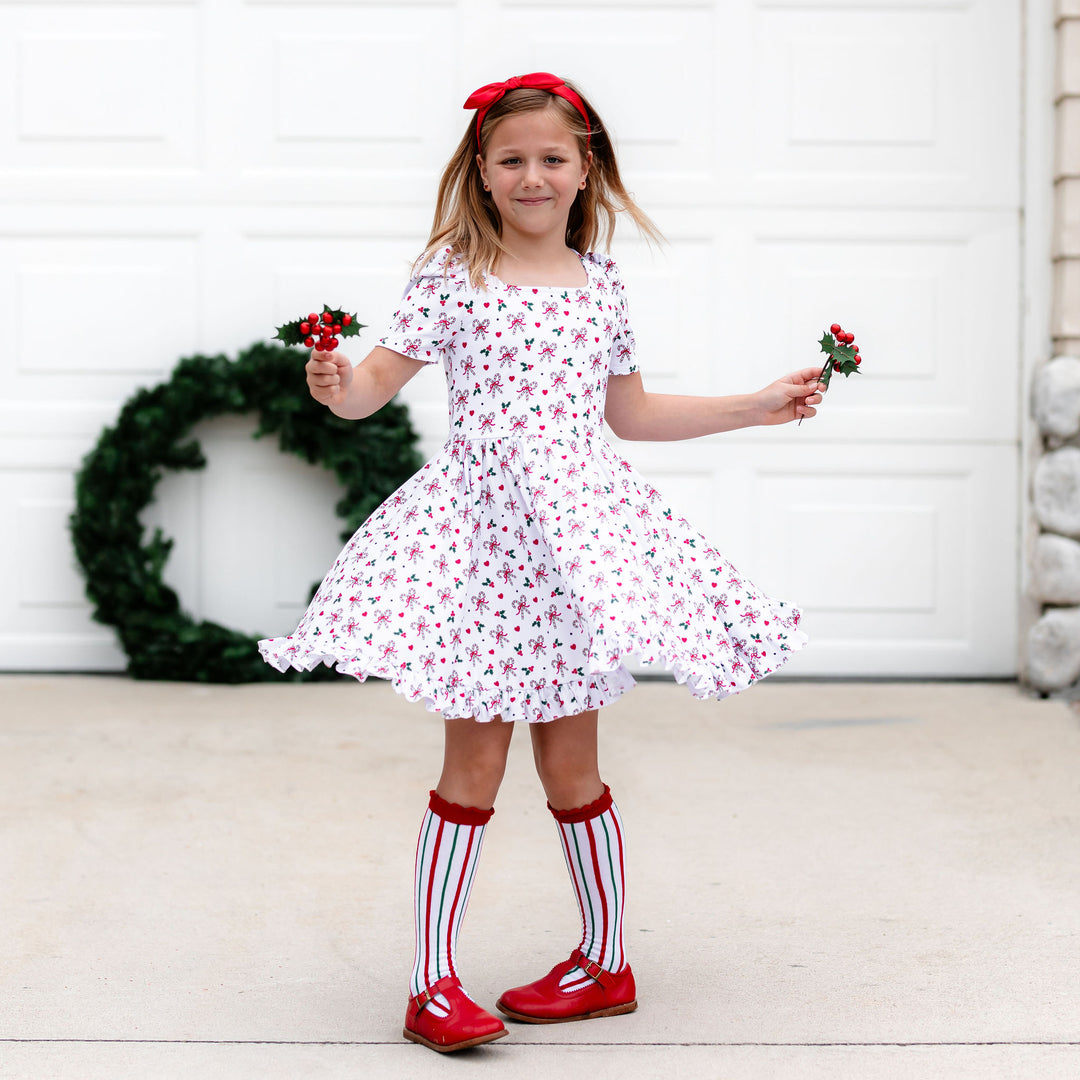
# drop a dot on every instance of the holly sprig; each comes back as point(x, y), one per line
point(320, 329)
point(841, 354)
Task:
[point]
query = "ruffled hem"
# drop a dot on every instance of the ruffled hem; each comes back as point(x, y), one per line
point(536, 705)
point(603, 684)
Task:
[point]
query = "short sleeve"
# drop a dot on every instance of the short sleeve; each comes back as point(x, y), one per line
point(422, 326)
point(623, 359)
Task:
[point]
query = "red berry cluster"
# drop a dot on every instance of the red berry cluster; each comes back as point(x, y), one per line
point(320, 331)
point(326, 329)
point(845, 337)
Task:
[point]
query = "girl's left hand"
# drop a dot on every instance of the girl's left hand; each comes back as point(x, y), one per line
point(790, 398)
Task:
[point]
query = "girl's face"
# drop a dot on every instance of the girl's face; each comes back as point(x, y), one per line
point(534, 169)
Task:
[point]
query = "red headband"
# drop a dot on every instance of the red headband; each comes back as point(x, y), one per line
point(486, 96)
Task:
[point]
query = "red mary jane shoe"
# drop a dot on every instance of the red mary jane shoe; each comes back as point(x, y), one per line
point(542, 1002)
point(466, 1025)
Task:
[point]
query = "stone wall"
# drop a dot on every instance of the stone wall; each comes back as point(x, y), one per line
point(1053, 645)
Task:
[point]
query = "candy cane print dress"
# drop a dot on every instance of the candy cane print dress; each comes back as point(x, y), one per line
point(515, 574)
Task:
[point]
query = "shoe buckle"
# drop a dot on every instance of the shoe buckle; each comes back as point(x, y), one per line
point(422, 999)
point(590, 967)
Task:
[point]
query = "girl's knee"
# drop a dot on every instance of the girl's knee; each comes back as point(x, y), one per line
point(561, 770)
point(568, 779)
point(487, 765)
point(474, 763)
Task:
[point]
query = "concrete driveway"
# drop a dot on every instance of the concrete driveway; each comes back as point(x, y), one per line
point(833, 880)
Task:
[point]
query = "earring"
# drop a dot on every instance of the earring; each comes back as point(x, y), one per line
point(486, 188)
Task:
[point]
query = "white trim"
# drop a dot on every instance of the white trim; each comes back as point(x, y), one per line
point(1037, 185)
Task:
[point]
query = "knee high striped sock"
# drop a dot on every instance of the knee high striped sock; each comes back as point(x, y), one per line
point(592, 841)
point(447, 852)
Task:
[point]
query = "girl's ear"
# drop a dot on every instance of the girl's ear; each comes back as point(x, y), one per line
point(483, 171)
point(585, 169)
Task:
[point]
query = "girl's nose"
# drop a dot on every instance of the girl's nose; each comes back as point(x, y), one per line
point(532, 176)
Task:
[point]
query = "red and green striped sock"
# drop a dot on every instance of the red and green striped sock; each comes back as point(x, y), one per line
point(592, 841)
point(447, 852)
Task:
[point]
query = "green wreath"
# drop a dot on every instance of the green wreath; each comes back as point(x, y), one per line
point(371, 458)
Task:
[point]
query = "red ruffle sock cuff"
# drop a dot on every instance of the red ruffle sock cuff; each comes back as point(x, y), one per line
point(457, 814)
point(583, 813)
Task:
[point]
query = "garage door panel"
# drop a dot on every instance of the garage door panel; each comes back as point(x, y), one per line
point(45, 622)
point(97, 88)
point(319, 107)
point(909, 552)
point(124, 305)
point(867, 106)
point(672, 297)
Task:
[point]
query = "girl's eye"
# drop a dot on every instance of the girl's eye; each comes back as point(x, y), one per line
point(551, 159)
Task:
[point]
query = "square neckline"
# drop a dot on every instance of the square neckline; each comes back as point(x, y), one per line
point(538, 288)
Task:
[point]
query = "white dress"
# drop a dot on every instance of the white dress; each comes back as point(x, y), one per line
point(520, 568)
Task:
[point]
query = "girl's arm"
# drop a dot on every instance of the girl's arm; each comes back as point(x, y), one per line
point(638, 416)
point(356, 392)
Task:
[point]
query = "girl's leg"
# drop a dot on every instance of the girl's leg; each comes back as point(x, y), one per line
point(596, 980)
point(474, 760)
point(565, 752)
point(440, 1014)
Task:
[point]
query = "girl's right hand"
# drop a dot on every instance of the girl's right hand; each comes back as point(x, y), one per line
point(329, 375)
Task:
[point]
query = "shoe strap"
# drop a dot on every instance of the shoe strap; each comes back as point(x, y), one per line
point(447, 982)
point(593, 969)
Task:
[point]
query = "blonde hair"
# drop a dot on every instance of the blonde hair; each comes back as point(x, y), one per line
point(466, 220)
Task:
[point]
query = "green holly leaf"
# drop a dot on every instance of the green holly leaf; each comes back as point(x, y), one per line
point(835, 350)
point(290, 333)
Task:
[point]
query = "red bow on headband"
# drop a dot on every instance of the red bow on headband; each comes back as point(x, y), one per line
point(486, 96)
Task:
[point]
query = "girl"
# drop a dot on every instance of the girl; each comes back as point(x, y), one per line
point(512, 577)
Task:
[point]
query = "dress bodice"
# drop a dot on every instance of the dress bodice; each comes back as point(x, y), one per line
point(519, 360)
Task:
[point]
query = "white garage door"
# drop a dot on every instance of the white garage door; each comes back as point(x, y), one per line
point(215, 167)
